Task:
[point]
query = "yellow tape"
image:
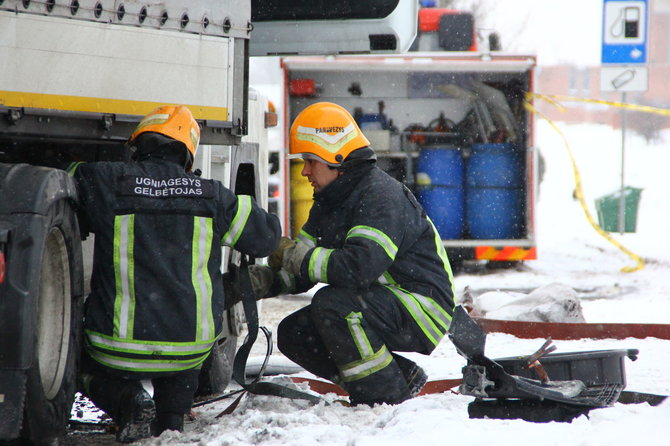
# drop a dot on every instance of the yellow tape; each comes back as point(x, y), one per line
point(554, 98)
point(578, 189)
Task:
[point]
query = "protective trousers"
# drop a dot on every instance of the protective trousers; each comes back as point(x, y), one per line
point(173, 393)
point(347, 337)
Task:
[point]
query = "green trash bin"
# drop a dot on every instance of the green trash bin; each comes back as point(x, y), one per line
point(608, 210)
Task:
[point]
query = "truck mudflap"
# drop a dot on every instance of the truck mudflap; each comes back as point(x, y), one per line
point(12, 395)
point(41, 301)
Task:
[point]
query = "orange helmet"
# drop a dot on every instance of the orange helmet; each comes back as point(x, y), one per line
point(174, 121)
point(326, 132)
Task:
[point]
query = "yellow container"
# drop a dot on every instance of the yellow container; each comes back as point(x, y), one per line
point(301, 197)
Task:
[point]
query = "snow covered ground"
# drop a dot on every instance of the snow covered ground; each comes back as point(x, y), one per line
point(570, 253)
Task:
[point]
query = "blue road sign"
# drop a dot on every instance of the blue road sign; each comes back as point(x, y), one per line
point(625, 26)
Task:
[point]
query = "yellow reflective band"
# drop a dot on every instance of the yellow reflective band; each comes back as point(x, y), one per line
point(194, 138)
point(423, 320)
point(432, 309)
point(389, 279)
point(124, 276)
point(142, 347)
point(200, 278)
point(330, 143)
point(72, 167)
point(147, 365)
point(386, 279)
point(318, 264)
point(442, 254)
point(366, 367)
point(376, 236)
point(239, 221)
point(307, 239)
point(159, 118)
point(151, 120)
point(358, 334)
point(325, 133)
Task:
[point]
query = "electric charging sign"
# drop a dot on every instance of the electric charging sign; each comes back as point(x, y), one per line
point(624, 32)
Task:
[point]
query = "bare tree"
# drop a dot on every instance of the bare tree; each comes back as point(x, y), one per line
point(489, 20)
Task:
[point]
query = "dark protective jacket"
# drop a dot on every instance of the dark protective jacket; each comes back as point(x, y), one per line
point(156, 301)
point(368, 228)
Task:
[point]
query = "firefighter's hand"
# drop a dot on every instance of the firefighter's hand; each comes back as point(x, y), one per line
point(293, 257)
point(276, 259)
point(261, 280)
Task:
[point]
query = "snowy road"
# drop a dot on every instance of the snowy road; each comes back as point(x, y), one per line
point(436, 419)
point(261, 420)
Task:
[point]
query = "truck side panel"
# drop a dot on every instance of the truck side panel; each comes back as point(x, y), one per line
point(81, 66)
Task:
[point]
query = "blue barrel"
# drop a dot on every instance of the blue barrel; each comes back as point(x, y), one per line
point(440, 174)
point(494, 195)
point(442, 165)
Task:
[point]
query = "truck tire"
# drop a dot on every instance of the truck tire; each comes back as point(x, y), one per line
point(51, 380)
point(217, 370)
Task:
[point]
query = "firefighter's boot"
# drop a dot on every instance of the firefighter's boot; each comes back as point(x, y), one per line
point(414, 375)
point(136, 414)
point(167, 422)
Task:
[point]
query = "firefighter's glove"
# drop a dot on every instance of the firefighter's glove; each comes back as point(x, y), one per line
point(261, 280)
point(276, 259)
point(293, 257)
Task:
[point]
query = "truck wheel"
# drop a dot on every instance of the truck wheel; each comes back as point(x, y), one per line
point(51, 381)
point(217, 369)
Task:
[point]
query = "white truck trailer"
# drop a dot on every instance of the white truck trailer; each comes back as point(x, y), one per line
point(75, 79)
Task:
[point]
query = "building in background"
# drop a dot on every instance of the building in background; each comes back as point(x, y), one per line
point(584, 82)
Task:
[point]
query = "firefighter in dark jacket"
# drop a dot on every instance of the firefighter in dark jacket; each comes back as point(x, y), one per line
point(389, 285)
point(156, 303)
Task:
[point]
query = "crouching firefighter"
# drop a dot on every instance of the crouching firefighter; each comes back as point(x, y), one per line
point(156, 303)
point(389, 285)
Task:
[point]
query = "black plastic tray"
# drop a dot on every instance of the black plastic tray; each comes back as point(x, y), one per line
point(590, 378)
point(593, 368)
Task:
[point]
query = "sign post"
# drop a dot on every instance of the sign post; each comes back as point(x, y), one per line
point(624, 59)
